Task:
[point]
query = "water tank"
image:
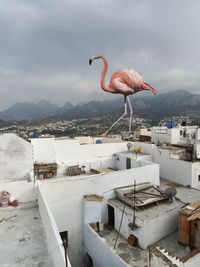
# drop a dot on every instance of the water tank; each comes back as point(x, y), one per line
point(170, 124)
point(35, 135)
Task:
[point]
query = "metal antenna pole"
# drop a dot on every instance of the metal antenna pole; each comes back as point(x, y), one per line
point(134, 204)
point(119, 227)
point(133, 224)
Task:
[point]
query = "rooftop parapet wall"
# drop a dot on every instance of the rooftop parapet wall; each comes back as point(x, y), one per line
point(15, 158)
point(160, 257)
point(23, 191)
point(47, 150)
point(102, 254)
point(54, 241)
point(178, 135)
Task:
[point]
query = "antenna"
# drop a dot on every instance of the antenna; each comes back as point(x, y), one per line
point(133, 225)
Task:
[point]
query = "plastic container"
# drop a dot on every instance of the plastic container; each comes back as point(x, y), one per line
point(4, 199)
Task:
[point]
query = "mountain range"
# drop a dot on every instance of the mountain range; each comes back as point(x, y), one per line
point(164, 105)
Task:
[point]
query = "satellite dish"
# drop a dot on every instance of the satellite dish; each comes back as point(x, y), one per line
point(170, 192)
point(129, 145)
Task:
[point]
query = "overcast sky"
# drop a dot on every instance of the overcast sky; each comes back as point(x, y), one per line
point(45, 46)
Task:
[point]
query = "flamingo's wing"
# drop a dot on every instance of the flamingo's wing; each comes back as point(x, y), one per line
point(120, 82)
point(126, 81)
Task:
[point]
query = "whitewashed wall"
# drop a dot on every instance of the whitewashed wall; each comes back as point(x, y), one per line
point(68, 151)
point(23, 191)
point(156, 261)
point(152, 229)
point(178, 171)
point(193, 261)
point(43, 150)
point(92, 211)
point(120, 160)
point(159, 134)
point(92, 164)
point(146, 148)
point(165, 259)
point(15, 158)
point(54, 241)
point(64, 197)
point(98, 249)
point(196, 174)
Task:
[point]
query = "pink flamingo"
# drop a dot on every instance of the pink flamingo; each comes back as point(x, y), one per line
point(126, 82)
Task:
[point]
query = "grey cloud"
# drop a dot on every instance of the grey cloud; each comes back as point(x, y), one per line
point(45, 46)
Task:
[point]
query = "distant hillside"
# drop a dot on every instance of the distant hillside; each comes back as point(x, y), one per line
point(31, 111)
point(153, 107)
point(169, 104)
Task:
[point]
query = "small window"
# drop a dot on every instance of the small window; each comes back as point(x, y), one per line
point(88, 262)
point(128, 163)
point(181, 132)
point(64, 237)
point(199, 178)
point(111, 216)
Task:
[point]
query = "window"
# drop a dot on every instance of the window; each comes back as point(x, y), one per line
point(111, 216)
point(199, 178)
point(128, 163)
point(64, 237)
point(87, 262)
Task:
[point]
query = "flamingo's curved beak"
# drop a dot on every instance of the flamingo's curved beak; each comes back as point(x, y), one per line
point(150, 88)
point(90, 61)
point(153, 91)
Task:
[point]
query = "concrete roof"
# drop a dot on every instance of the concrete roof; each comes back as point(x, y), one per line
point(22, 238)
point(148, 212)
point(170, 244)
point(184, 194)
point(133, 256)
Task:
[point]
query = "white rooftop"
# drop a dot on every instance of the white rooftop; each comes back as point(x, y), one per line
point(22, 237)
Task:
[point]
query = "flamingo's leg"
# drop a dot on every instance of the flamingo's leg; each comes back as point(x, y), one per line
point(125, 113)
point(131, 114)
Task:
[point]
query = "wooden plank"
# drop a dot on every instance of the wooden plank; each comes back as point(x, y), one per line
point(184, 230)
point(194, 216)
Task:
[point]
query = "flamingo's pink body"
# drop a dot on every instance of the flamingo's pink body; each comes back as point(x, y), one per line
point(126, 82)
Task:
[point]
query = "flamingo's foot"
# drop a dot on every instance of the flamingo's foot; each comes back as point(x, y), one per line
point(126, 115)
point(104, 134)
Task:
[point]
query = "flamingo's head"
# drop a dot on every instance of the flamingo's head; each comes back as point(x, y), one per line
point(93, 58)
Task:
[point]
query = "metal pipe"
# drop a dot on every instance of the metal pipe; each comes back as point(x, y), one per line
point(119, 226)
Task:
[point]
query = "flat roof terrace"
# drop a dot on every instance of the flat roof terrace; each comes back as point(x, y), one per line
point(149, 212)
point(170, 243)
point(184, 193)
point(22, 237)
point(134, 256)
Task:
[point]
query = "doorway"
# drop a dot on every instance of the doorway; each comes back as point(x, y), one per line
point(111, 216)
point(128, 163)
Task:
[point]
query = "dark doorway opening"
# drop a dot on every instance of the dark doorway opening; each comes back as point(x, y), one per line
point(64, 237)
point(111, 216)
point(128, 163)
point(88, 262)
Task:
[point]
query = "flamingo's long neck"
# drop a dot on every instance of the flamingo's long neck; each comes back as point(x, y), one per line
point(104, 86)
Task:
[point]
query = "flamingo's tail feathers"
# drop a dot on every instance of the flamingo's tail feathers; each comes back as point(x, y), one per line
point(150, 88)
